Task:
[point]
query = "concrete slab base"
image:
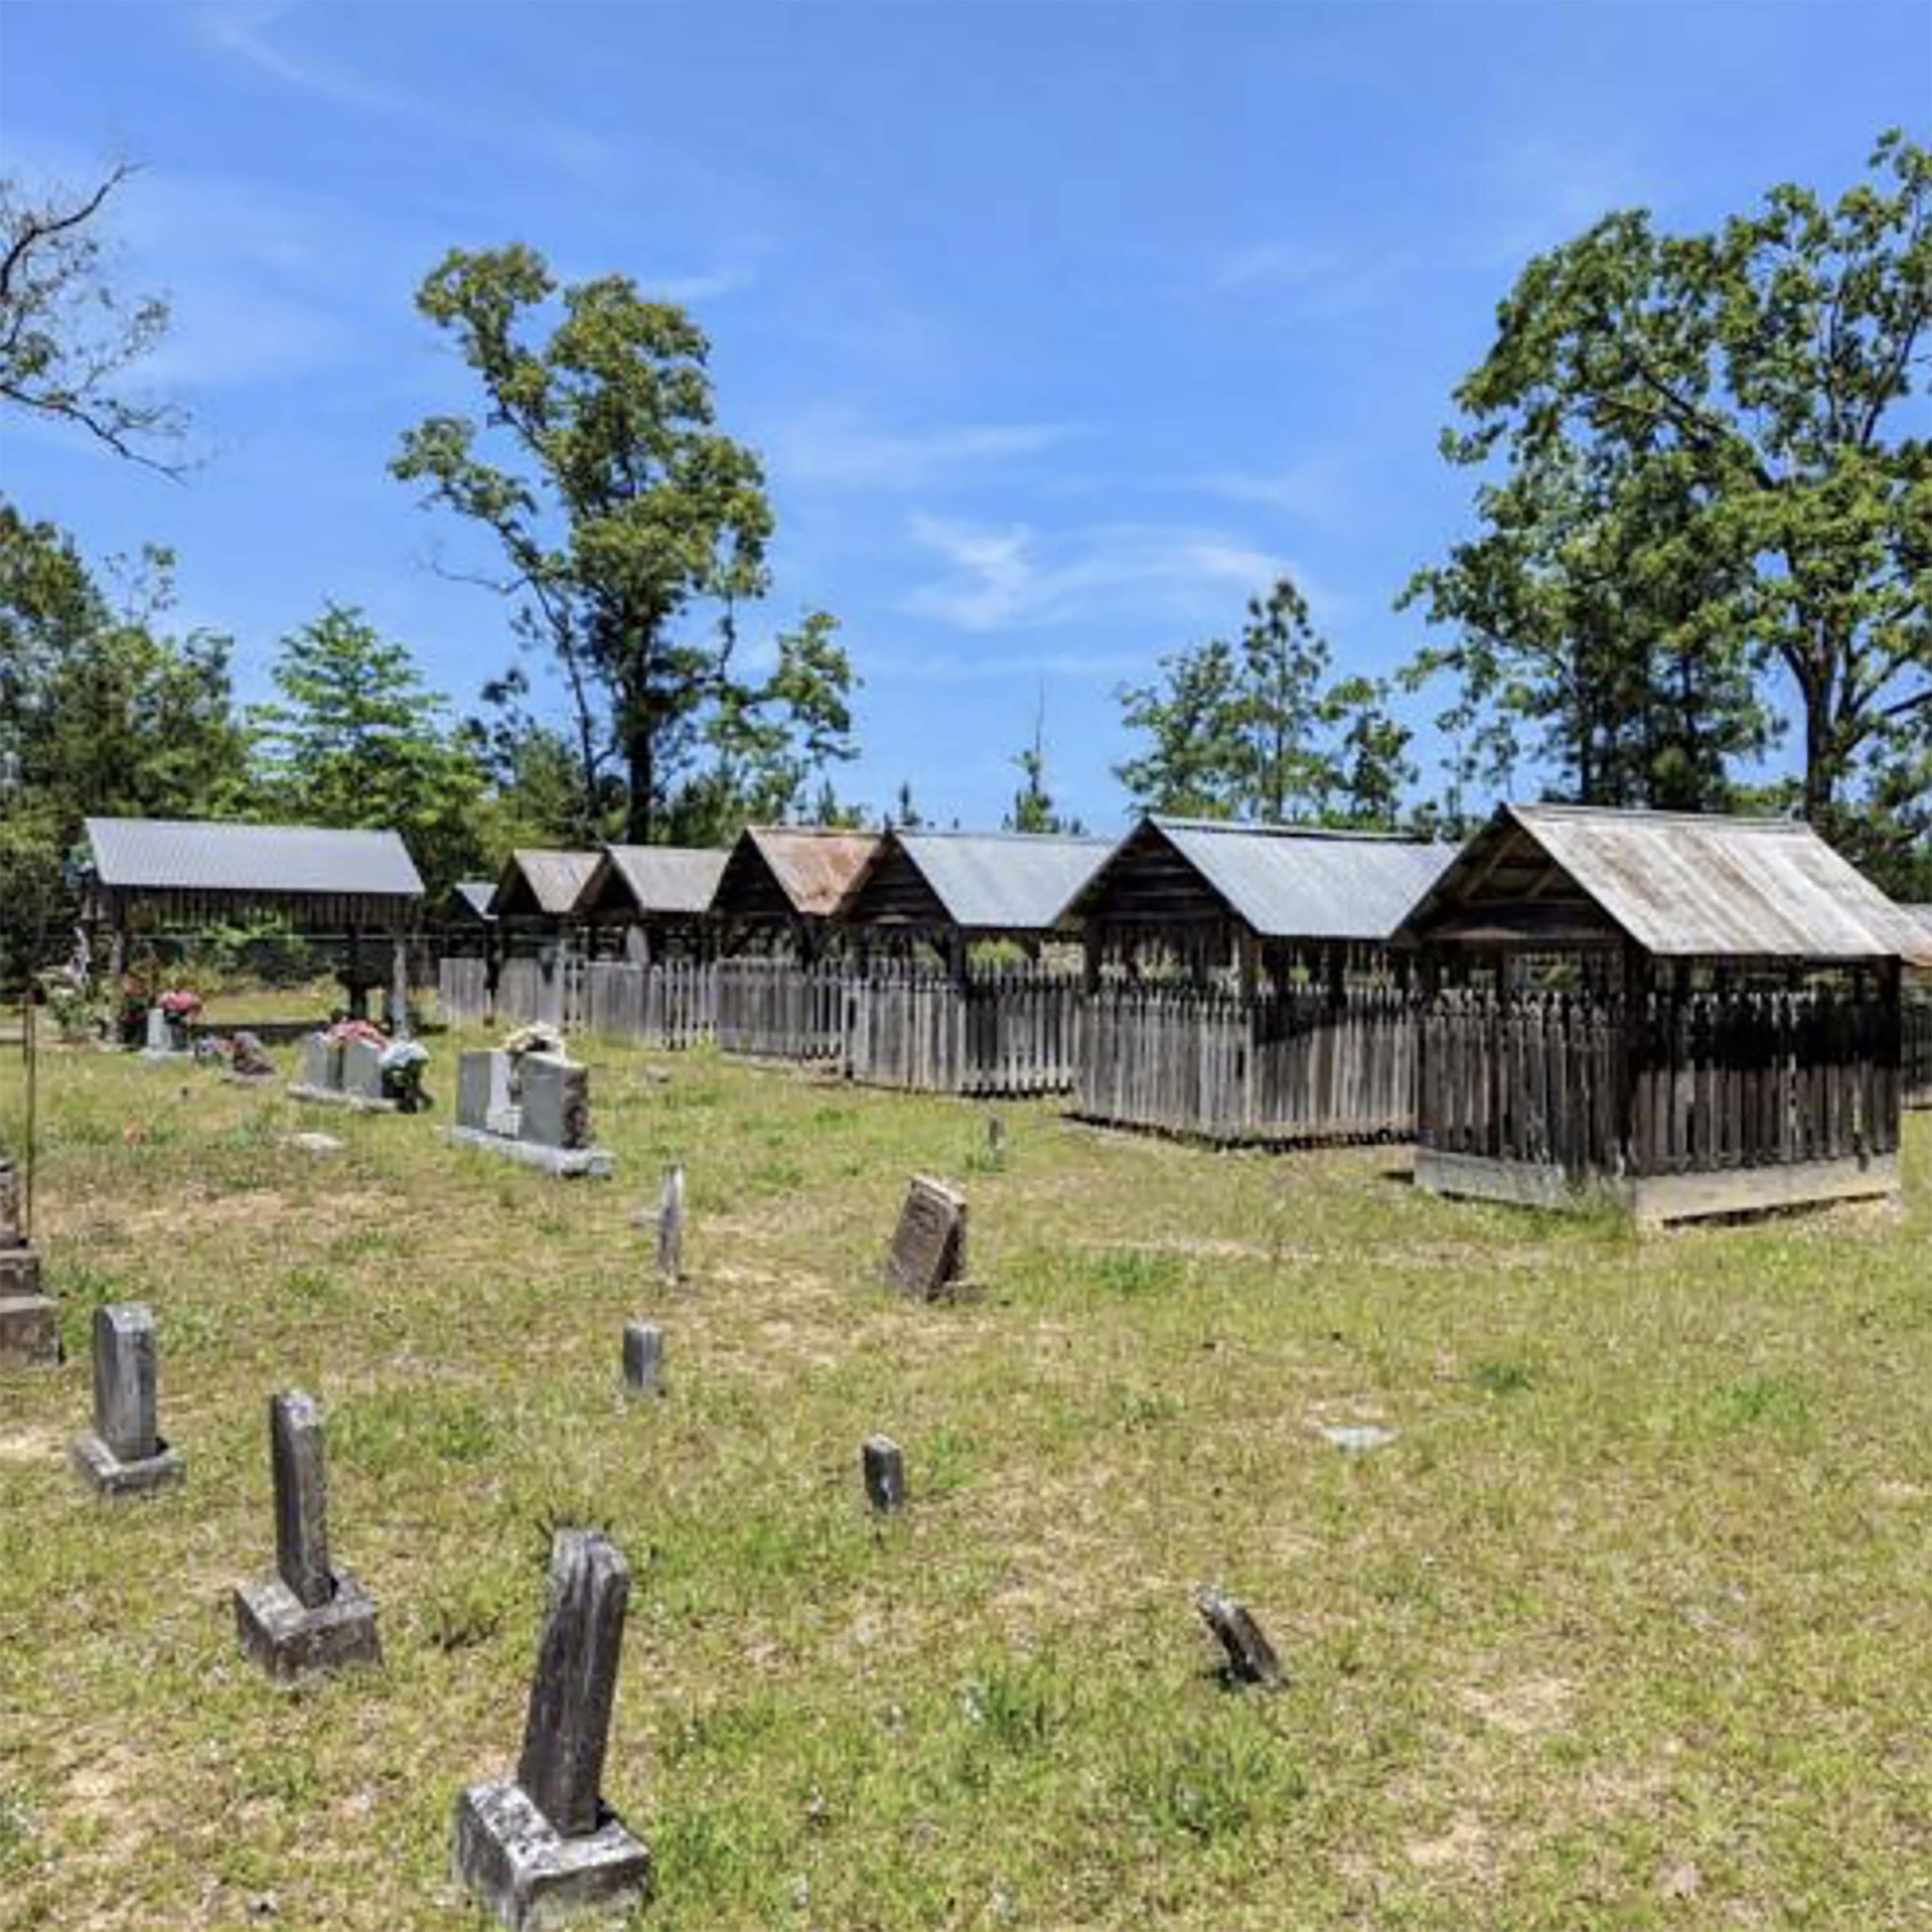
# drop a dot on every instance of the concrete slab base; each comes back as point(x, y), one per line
point(288, 1640)
point(98, 1465)
point(509, 1856)
point(330, 1096)
point(570, 1163)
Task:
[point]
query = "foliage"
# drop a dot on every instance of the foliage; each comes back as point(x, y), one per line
point(1705, 454)
point(100, 713)
point(357, 739)
point(1257, 731)
point(66, 334)
point(1033, 809)
point(621, 512)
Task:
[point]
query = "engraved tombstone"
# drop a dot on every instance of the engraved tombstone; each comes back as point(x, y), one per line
point(123, 1453)
point(928, 1257)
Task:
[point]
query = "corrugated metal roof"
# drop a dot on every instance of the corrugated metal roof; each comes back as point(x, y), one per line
point(190, 855)
point(675, 879)
point(545, 882)
point(1301, 882)
point(475, 894)
point(1683, 885)
point(997, 882)
point(815, 866)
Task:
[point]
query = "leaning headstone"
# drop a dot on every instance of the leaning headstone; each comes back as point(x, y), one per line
point(884, 1465)
point(542, 1845)
point(123, 1453)
point(1251, 1657)
point(671, 1226)
point(29, 1328)
point(248, 1058)
point(362, 1074)
point(309, 1616)
point(928, 1257)
point(643, 1359)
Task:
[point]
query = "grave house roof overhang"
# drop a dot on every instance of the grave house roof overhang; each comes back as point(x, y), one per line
point(314, 875)
point(791, 872)
point(1006, 884)
point(651, 882)
point(1282, 882)
point(536, 883)
point(470, 898)
point(1677, 885)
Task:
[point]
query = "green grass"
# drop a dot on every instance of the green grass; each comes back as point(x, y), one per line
point(1630, 1625)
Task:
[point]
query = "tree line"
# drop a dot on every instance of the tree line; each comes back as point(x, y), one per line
point(1702, 548)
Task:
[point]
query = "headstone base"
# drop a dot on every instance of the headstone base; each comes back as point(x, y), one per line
point(97, 1465)
point(590, 1163)
point(332, 1096)
point(289, 1640)
point(510, 1856)
point(30, 1324)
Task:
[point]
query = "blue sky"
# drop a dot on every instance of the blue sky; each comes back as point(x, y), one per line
point(1060, 328)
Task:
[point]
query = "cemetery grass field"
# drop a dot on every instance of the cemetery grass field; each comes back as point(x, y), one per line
point(1630, 1625)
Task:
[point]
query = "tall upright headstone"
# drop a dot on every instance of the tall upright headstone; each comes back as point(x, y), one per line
point(883, 1464)
point(362, 1073)
point(309, 1616)
point(543, 1845)
point(556, 1101)
point(643, 1358)
point(123, 1453)
point(671, 1226)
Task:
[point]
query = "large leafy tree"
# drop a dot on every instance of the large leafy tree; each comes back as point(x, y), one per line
point(101, 711)
point(357, 739)
point(631, 528)
point(68, 335)
point(1259, 730)
point(1758, 488)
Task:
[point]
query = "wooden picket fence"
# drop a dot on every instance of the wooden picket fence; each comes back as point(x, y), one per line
point(671, 1004)
point(779, 1009)
point(1915, 1063)
point(1014, 1030)
point(1285, 1069)
point(1672, 1084)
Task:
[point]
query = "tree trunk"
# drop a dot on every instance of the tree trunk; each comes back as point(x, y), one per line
point(639, 763)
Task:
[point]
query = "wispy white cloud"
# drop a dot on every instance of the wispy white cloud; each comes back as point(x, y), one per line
point(242, 28)
point(707, 285)
point(1000, 577)
point(842, 447)
point(1536, 188)
point(1295, 277)
point(1317, 489)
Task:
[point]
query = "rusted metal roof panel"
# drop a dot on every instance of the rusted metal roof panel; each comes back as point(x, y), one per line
point(672, 881)
point(1685, 886)
point(1004, 882)
point(190, 855)
point(813, 867)
point(1297, 882)
point(535, 881)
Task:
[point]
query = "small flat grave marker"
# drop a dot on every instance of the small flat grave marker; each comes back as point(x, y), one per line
point(123, 1453)
point(1251, 1657)
point(543, 1845)
point(643, 1358)
point(1357, 1438)
point(309, 1616)
point(884, 1466)
point(928, 1257)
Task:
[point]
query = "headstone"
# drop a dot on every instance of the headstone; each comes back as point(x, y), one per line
point(29, 1328)
point(309, 1616)
point(671, 1226)
point(321, 1063)
point(928, 1257)
point(884, 1470)
point(995, 1139)
point(362, 1071)
point(482, 1089)
point(643, 1358)
point(123, 1453)
point(543, 1844)
point(249, 1059)
point(556, 1101)
point(163, 1042)
point(1251, 1657)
